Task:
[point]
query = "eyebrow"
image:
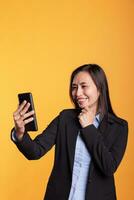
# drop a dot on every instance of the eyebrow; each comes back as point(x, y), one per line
point(80, 83)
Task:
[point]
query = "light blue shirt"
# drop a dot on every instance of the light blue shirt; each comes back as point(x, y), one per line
point(81, 166)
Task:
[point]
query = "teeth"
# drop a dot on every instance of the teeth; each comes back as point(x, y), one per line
point(82, 99)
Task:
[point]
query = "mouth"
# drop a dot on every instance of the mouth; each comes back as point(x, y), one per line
point(82, 100)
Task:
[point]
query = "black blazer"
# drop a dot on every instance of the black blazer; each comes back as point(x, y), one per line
point(106, 145)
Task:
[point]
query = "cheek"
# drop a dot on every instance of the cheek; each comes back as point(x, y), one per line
point(97, 95)
point(94, 94)
point(73, 94)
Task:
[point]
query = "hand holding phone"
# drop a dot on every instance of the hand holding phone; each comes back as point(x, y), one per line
point(26, 110)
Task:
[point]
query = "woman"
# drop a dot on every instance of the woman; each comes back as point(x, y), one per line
point(89, 140)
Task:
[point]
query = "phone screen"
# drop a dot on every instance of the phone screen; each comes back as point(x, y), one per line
point(31, 126)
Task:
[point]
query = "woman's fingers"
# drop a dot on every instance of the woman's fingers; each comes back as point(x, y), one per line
point(17, 114)
point(26, 121)
point(86, 117)
point(22, 117)
point(21, 123)
point(24, 109)
point(28, 114)
point(21, 111)
point(20, 107)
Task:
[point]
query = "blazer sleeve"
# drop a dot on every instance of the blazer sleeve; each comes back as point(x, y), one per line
point(107, 159)
point(34, 149)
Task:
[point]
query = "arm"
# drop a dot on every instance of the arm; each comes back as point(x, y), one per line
point(106, 158)
point(34, 149)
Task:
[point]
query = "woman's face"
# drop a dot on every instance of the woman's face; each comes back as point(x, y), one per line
point(84, 91)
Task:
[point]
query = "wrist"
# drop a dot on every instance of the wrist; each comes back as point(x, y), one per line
point(85, 125)
point(19, 135)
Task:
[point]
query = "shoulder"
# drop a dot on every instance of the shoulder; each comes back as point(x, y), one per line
point(112, 118)
point(69, 113)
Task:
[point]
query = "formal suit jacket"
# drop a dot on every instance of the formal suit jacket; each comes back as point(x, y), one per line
point(106, 145)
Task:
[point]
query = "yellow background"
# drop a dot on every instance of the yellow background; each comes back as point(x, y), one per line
point(41, 42)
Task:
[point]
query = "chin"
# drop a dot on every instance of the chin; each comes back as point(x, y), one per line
point(83, 106)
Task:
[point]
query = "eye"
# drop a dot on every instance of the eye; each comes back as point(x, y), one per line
point(84, 86)
point(74, 87)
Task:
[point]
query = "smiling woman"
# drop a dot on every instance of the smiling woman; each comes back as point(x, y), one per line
point(89, 87)
point(90, 140)
point(84, 91)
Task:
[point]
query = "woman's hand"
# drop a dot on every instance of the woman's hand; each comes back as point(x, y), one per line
point(20, 118)
point(86, 117)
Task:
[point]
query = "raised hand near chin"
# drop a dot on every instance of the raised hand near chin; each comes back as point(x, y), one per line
point(86, 117)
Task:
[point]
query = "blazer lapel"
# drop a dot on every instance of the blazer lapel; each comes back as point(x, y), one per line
point(103, 124)
point(103, 130)
point(72, 133)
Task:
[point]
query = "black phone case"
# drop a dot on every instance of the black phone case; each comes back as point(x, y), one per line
point(31, 126)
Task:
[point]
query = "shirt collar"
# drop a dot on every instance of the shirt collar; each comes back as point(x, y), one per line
point(98, 117)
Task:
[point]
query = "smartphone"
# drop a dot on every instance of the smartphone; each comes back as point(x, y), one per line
point(31, 126)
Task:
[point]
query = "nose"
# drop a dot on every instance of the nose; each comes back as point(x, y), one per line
point(78, 91)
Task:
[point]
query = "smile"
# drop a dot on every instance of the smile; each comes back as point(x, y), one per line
point(81, 100)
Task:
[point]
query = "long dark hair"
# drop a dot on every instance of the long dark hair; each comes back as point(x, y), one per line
point(100, 80)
